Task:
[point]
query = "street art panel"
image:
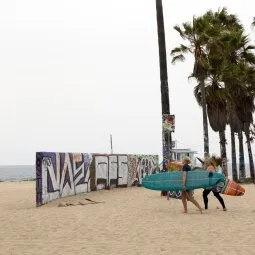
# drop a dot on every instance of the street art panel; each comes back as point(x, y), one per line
point(113, 170)
point(141, 166)
point(61, 174)
point(123, 170)
point(65, 174)
point(101, 173)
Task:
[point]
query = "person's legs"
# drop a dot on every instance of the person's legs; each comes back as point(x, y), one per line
point(192, 200)
point(168, 195)
point(184, 201)
point(205, 194)
point(218, 196)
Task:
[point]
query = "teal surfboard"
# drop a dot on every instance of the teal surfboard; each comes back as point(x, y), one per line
point(171, 181)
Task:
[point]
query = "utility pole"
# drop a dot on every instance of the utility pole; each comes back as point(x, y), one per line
point(111, 143)
point(166, 134)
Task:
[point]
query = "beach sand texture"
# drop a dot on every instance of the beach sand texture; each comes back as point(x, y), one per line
point(130, 221)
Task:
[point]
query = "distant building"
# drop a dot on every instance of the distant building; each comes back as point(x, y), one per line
point(179, 154)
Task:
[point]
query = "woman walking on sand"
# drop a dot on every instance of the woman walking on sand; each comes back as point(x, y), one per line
point(211, 167)
point(186, 168)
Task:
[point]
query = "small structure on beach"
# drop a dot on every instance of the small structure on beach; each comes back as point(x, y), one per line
point(179, 154)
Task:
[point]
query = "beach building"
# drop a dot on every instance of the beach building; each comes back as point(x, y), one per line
point(179, 154)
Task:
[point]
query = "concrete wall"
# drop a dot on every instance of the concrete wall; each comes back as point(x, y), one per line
point(64, 174)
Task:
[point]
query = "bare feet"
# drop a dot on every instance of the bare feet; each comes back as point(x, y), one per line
point(225, 209)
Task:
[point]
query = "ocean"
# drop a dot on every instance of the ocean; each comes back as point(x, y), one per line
point(17, 172)
point(27, 172)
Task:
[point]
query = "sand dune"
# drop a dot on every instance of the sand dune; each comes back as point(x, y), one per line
point(130, 221)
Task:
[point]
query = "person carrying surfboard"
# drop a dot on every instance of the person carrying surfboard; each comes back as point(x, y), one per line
point(186, 168)
point(210, 166)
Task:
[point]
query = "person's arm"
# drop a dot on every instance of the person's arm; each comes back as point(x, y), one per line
point(184, 177)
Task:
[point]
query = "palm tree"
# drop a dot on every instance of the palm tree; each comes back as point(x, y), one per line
point(195, 34)
point(220, 23)
point(216, 98)
point(247, 118)
point(238, 53)
point(234, 87)
point(233, 121)
point(223, 25)
point(243, 101)
point(233, 48)
point(204, 36)
point(245, 108)
point(249, 139)
point(219, 46)
point(166, 136)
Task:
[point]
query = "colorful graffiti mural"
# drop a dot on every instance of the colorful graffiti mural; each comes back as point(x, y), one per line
point(65, 174)
point(168, 126)
point(139, 166)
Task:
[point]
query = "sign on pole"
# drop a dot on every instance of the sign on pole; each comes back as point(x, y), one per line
point(169, 122)
point(168, 126)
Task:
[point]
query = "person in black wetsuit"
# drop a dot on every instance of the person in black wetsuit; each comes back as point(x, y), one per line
point(186, 168)
point(211, 167)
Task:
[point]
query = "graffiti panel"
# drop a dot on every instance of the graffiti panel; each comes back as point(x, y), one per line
point(123, 170)
point(113, 170)
point(81, 166)
point(102, 172)
point(61, 174)
point(141, 166)
point(65, 174)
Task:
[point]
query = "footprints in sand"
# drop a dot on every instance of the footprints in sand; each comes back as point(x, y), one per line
point(65, 204)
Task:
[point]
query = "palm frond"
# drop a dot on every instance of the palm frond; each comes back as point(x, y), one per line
point(253, 22)
point(179, 57)
point(179, 30)
point(198, 95)
point(248, 56)
point(181, 49)
point(250, 47)
point(187, 26)
point(225, 60)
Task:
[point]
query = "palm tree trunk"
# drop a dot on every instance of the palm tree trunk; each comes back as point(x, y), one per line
point(252, 172)
point(233, 150)
point(166, 136)
point(205, 121)
point(242, 174)
point(223, 152)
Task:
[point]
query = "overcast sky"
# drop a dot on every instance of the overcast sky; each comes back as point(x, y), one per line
point(74, 71)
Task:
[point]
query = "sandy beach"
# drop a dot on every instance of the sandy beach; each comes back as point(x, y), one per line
point(129, 221)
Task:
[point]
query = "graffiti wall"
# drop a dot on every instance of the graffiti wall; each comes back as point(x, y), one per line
point(65, 174)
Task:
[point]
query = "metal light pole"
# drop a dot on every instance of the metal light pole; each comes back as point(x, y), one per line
point(111, 143)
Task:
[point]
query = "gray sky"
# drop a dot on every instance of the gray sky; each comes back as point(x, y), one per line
point(74, 71)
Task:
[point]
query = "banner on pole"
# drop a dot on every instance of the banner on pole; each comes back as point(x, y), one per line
point(169, 122)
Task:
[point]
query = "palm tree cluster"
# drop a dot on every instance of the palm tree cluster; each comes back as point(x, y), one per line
point(224, 68)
